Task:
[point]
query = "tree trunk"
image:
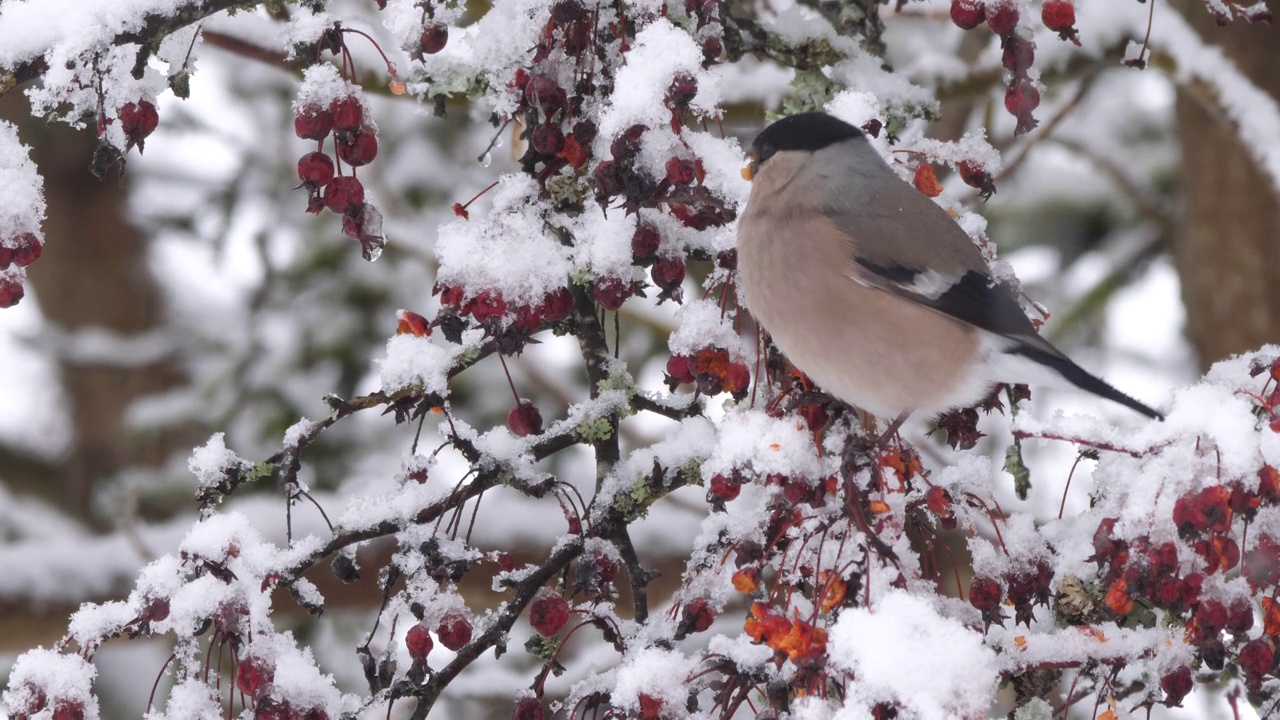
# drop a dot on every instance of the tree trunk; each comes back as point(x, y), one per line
point(1228, 248)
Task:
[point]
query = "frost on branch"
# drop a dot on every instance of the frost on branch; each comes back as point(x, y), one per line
point(21, 214)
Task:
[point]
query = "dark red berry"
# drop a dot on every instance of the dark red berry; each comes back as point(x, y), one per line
point(967, 14)
point(418, 641)
point(608, 178)
point(312, 122)
point(433, 39)
point(1176, 685)
point(524, 420)
point(645, 242)
point(557, 306)
point(547, 139)
point(680, 370)
point(984, 593)
point(359, 148)
point(68, 710)
point(712, 49)
point(668, 272)
point(723, 488)
point(11, 291)
point(737, 378)
point(527, 708)
point(611, 292)
point(683, 88)
point(488, 304)
point(344, 195)
point(697, 615)
point(1021, 98)
point(548, 613)
point(315, 169)
point(545, 93)
point(26, 249)
point(1018, 54)
point(348, 114)
point(1257, 657)
point(1002, 18)
point(680, 171)
point(627, 145)
point(454, 631)
point(254, 676)
point(138, 120)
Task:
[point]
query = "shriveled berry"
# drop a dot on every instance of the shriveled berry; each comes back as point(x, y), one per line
point(683, 88)
point(608, 178)
point(712, 49)
point(315, 169)
point(433, 39)
point(488, 304)
point(419, 643)
point(926, 181)
point(1176, 685)
point(696, 616)
point(1257, 657)
point(644, 243)
point(1002, 18)
point(737, 378)
point(547, 139)
point(348, 114)
point(967, 14)
point(523, 420)
point(668, 272)
point(1018, 54)
point(548, 613)
point(611, 292)
point(984, 593)
point(723, 488)
point(627, 145)
point(564, 12)
point(454, 631)
point(312, 122)
point(359, 148)
point(344, 195)
point(545, 93)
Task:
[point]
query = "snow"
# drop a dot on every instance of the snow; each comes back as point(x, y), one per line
point(212, 462)
point(902, 631)
point(20, 185)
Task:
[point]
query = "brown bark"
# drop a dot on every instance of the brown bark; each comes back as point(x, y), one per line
point(93, 274)
point(1228, 248)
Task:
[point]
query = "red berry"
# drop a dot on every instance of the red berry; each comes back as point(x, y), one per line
point(967, 14)
point(1002, 18)
point(698, 615)
point(312, 122)
point(939, 501)
point(254, 676)
point(547, 139)
point(527, 708)
point(737, 378)
point(627, 145)
point(26, 250)
point(1176, 686)
point(1257, 657)
point(1021, 98)
point(608, 178)
point(359, 148)
point(454, 631)
point(548, 613)
point(68, 710)
point(723, 488)
point(344, 195)
point(712, 49)
point(645, 242)
point(557, 306)
point(680, 171)
point(545, 93)
point(418, 641)
point(524, 420)
point(1059, 16)
point(611, 292)
point(138, 120)
point(668, 273)
point(488, 304)
point(680, 370)
point(984, 593)
point(433, 39)
point(11, 291)
point(315, 169)
point(348, 114)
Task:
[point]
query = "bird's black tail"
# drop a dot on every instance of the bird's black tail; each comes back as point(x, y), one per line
point(1083, 379)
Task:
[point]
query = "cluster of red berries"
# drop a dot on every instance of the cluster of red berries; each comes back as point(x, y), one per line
point(1024, 588)
point(1022, 96)
point(20, 250)
point(33, 700)
point(667, 270)
point(454, 631)
point(355, 142)
point(711, 370)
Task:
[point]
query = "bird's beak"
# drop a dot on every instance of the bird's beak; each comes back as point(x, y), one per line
point(749, 172)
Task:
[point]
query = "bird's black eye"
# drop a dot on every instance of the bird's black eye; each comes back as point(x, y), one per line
point(764, 151)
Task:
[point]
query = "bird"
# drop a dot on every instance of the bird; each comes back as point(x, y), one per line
point(873, 290)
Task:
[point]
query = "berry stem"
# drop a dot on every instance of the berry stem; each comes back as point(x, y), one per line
point(507, 372)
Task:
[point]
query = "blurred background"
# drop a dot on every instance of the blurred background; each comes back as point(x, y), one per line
point(192, 294)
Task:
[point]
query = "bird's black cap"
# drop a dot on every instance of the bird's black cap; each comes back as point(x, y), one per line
point(805, 132)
